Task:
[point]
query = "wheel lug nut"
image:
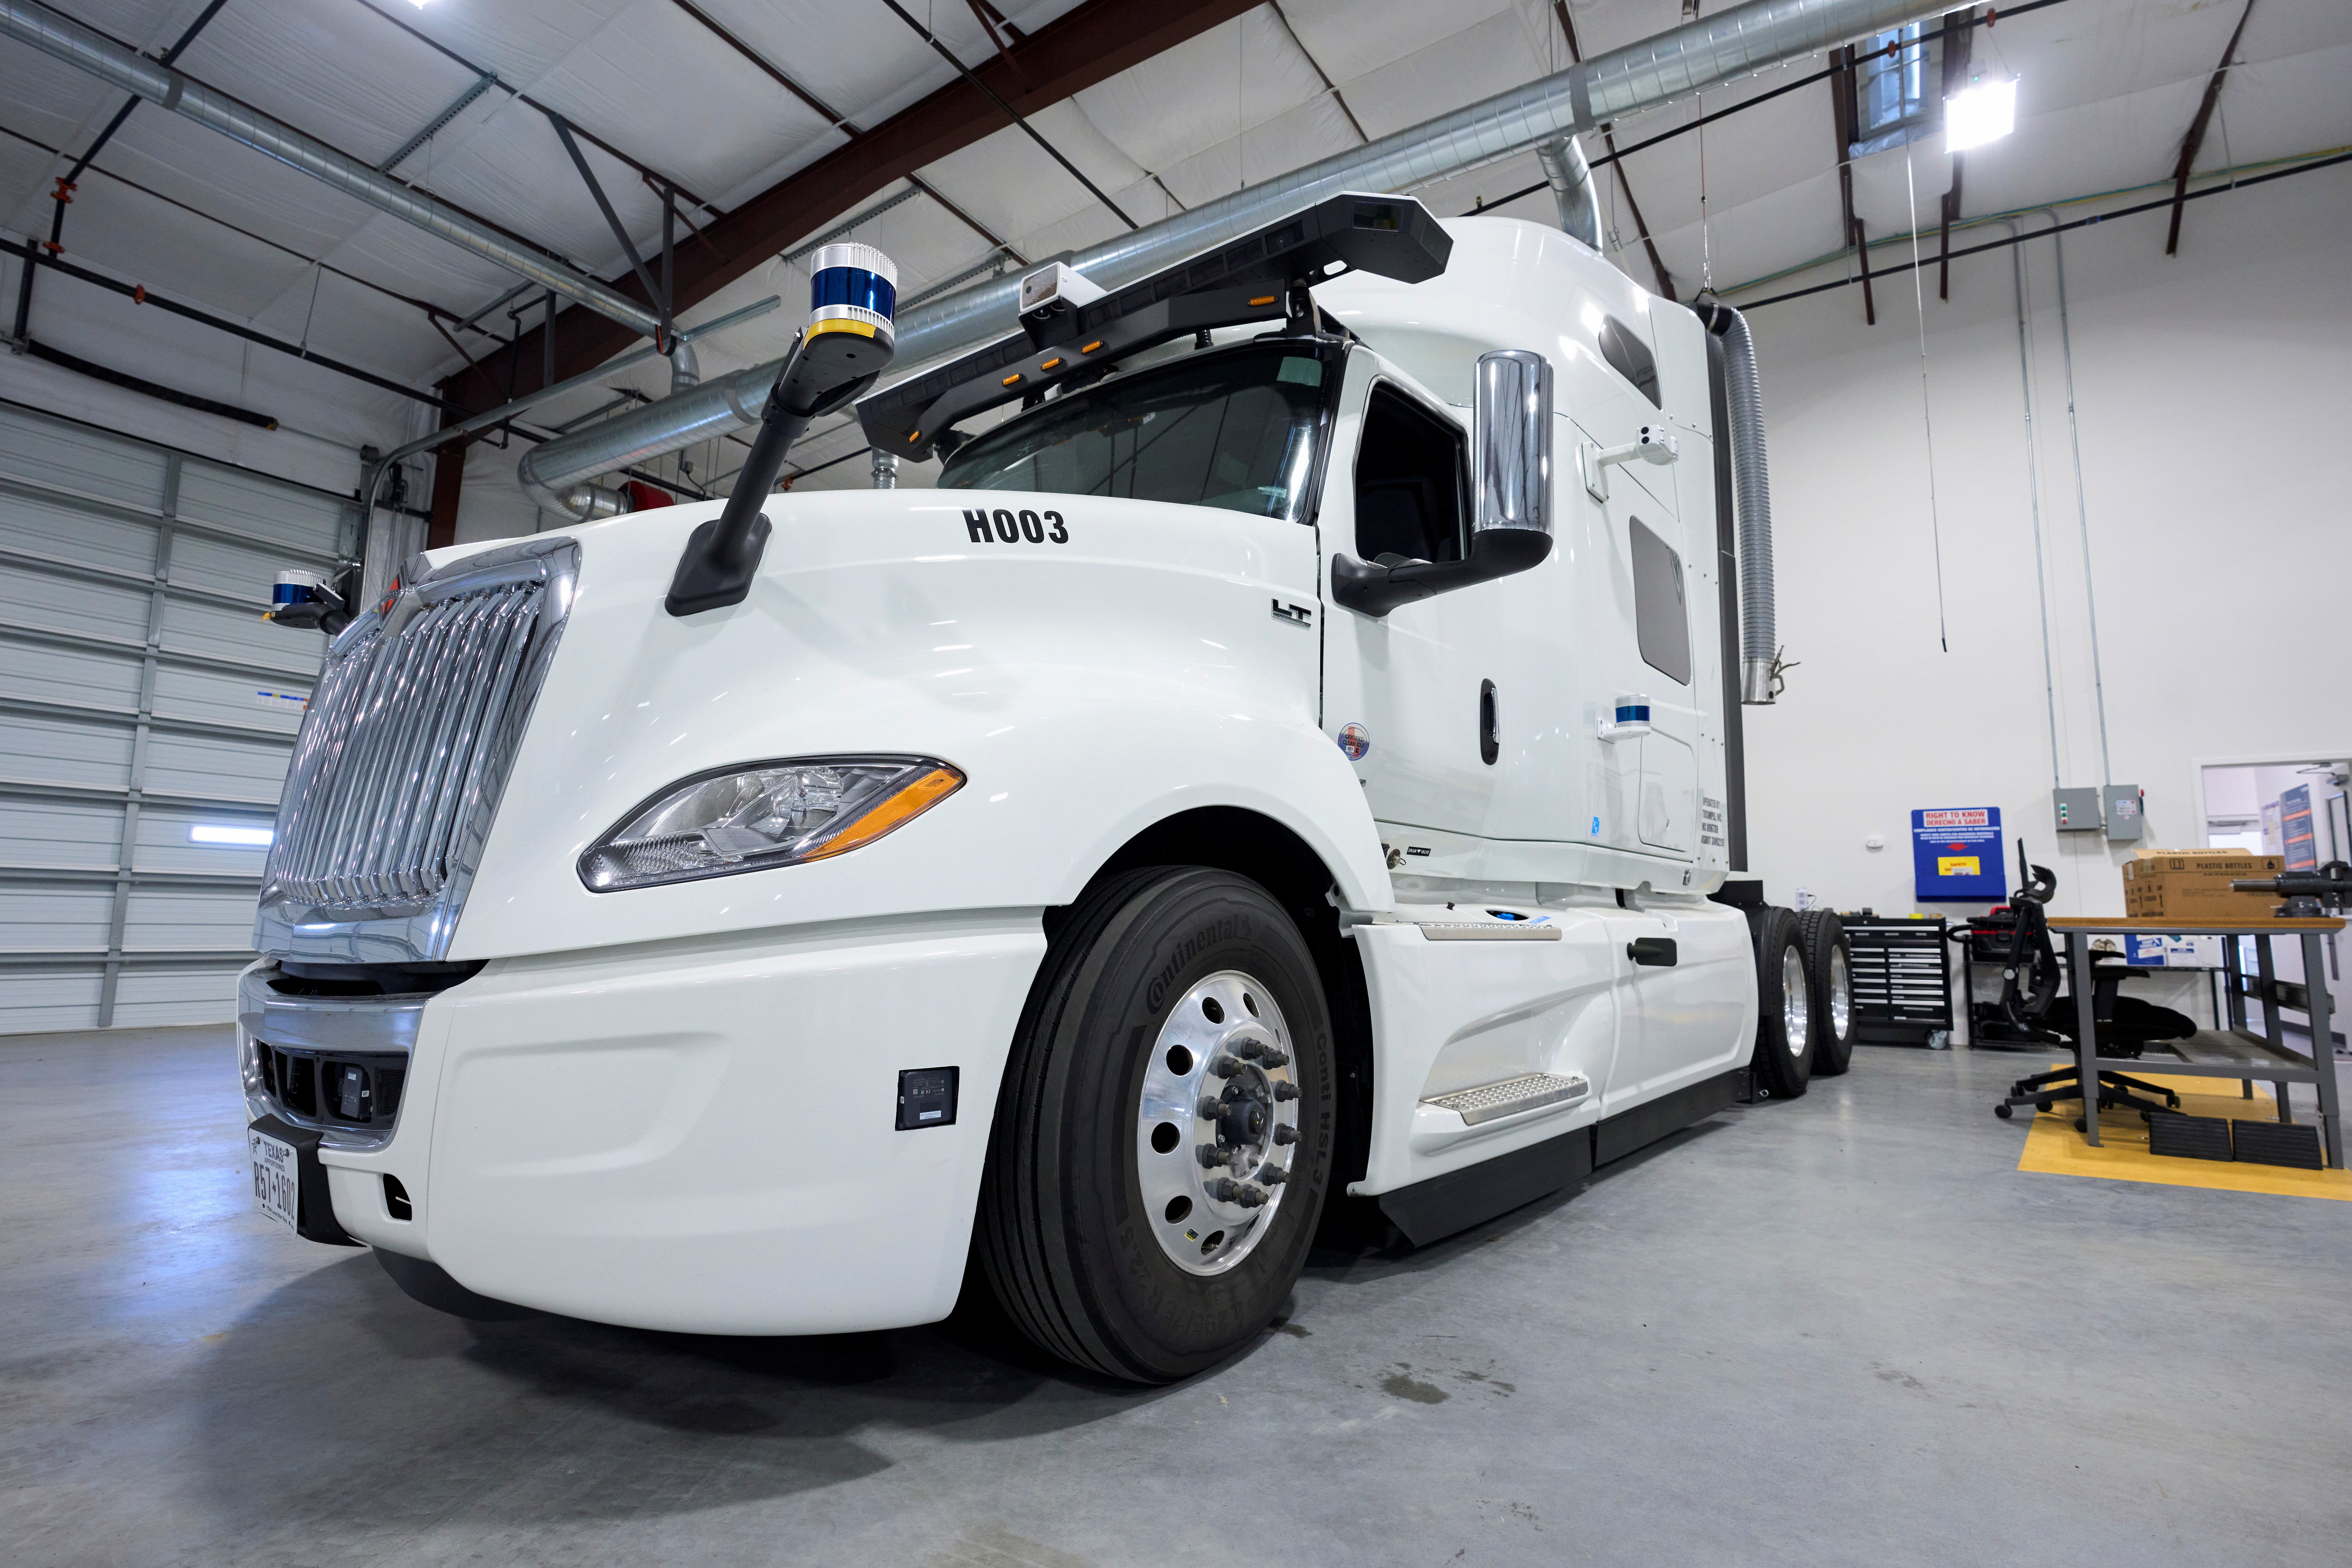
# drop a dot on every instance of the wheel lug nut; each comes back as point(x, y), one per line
point(1270, 1057)
point(1212, 1156)
point(1285, 1134)
point(1286, 1091)
point(1211, 1108)
point(1248, 1050)
point(1272, 1177)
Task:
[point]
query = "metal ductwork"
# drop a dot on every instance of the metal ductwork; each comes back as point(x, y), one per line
point(1751, 489)
point(1572, 186)
point(1723, 48)
point(117, 66)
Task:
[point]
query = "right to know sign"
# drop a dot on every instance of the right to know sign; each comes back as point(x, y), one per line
point(1956, 856)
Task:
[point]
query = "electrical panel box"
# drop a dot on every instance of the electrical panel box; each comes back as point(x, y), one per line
point(2077, 809)
point(2126, 820)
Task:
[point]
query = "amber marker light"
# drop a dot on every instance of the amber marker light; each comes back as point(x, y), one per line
point(907, 805)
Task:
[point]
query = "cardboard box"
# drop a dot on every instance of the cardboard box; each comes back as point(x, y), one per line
point(2194, 884)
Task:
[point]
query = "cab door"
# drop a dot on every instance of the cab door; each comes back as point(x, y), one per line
point(1410, 696)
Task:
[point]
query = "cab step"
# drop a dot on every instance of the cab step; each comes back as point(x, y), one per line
point(1492, 1102)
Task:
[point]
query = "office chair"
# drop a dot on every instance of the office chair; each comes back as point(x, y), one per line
point(2028, 1010)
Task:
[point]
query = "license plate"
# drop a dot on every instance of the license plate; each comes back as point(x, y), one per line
point(276, 1170)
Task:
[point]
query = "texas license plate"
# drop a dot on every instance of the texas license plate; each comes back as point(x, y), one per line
point(275, 1171)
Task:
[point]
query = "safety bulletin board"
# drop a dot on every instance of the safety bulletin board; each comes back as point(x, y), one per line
point(1956, 856)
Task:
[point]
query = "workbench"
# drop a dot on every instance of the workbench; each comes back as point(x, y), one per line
point(2235, 1051)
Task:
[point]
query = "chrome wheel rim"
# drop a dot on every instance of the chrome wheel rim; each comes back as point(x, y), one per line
point(1840, 992)
point(1795, 1013)
point(1217, 1128)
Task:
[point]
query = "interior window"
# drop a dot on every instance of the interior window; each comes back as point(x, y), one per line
point(1408, 482)
point(1629, 357)
point(1661, 618)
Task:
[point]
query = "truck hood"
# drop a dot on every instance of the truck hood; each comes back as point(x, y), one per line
point(1091, 664)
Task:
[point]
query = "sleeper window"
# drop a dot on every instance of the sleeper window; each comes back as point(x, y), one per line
point(1661, 618)
point(1408, 482)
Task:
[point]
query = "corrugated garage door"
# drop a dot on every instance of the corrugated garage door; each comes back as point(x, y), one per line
point(146, 715)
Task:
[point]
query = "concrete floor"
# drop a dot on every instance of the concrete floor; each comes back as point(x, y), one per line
point(1844, 1329)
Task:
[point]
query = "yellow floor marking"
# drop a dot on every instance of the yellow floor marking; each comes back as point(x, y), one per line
point(2053, 1148)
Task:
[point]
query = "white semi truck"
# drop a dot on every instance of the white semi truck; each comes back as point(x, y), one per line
point(1283, 765)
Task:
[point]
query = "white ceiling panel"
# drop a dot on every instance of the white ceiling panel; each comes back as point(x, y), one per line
point(520, 42)
point(642, 82)
point(335, 71)
point(1009, 183)
point(1202, 92)
point(1315, 130)
point(228, 180)
point(1352, 39)
point(1459, 69)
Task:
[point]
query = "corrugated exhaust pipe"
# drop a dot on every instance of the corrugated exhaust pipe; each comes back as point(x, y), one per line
point(110, 63)
point(1723, 48)
point(1751, 488)
point(1564, 165)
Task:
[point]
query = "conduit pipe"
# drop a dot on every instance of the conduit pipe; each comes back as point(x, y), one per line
point(117, 66)
point(1671, 66)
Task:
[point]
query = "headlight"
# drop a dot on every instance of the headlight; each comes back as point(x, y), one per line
point(766, 814)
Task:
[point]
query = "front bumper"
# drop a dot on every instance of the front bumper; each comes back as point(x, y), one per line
point(702, 1136)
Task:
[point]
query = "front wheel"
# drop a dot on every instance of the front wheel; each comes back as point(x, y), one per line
point(1162, 1143)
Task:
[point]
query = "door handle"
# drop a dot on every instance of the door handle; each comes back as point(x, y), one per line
point(1652, 952)
point(1490, 728)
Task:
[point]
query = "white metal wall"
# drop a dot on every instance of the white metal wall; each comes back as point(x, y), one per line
point(141, 696)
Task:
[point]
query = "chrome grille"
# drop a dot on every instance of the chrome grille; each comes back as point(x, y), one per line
point(402, 754)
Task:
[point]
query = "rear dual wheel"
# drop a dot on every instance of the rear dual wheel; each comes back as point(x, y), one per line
point(1162, 1142)
point(1784, 1025)
point(1829, 972)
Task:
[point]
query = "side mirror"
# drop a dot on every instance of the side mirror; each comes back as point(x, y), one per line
point(1511, 443)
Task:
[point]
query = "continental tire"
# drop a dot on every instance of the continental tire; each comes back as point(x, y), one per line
point(1829, 964)
point(1784, 1034)
point(1162, 1142)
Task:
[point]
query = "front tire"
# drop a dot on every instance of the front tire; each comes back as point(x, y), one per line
point(1162, 1143)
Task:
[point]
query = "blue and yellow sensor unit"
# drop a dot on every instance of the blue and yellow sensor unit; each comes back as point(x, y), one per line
point(853, 288)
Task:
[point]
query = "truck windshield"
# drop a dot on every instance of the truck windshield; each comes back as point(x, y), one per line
point(1238, 430)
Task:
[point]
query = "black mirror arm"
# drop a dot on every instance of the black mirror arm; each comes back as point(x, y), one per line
point(1371, 589)
point(722, 555)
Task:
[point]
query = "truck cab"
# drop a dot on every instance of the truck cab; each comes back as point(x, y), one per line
point(1279, 768)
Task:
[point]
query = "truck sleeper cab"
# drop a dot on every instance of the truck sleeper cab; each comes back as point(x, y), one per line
point(1053, 866)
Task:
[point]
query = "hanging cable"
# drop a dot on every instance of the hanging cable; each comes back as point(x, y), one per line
point(2082, 501)
point(1705, 235)
point(2034, 493)
point(1926, 418)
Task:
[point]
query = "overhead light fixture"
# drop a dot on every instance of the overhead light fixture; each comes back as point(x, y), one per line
point(1984, 112)
point(244, 837)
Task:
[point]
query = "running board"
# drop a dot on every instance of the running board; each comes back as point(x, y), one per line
point(1492, 1102)
point(1432, 1210)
